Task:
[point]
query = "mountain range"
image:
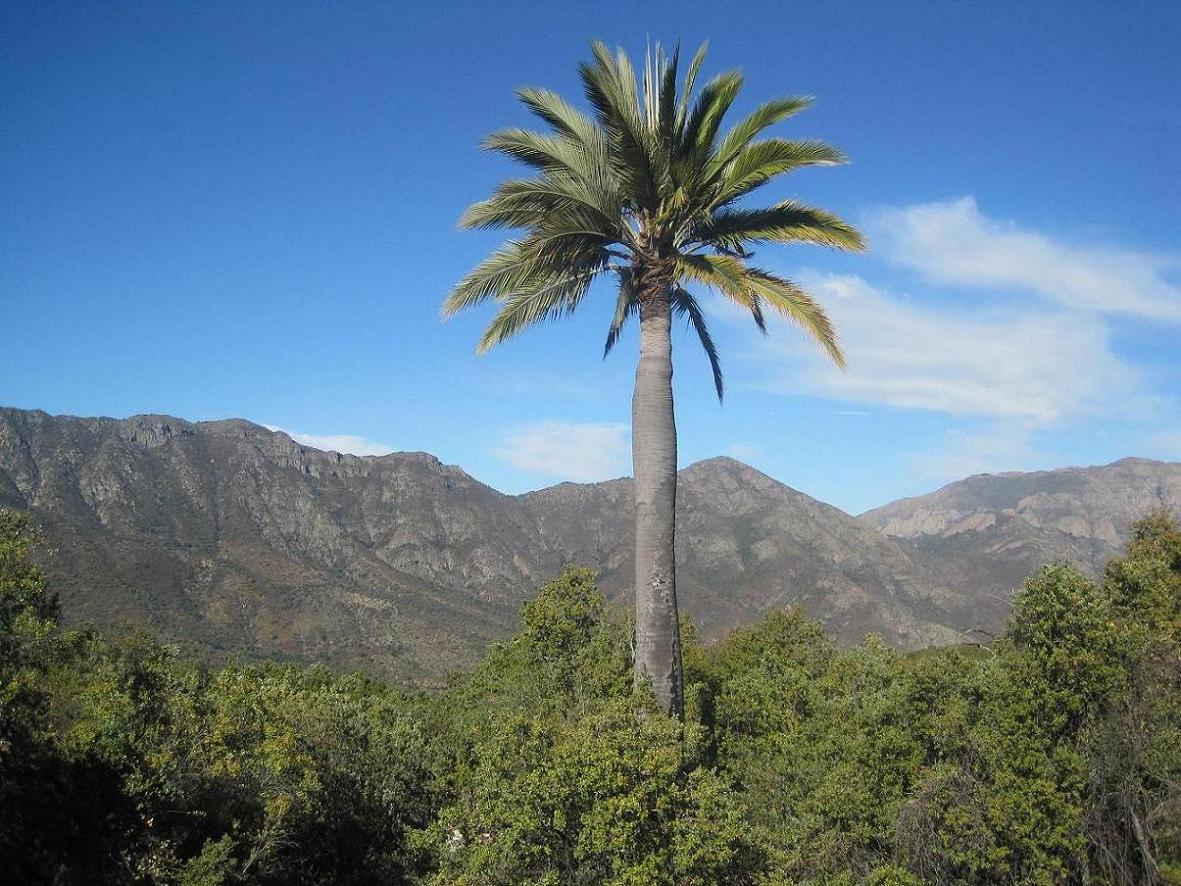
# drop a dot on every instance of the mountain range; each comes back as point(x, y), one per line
point(234, 540)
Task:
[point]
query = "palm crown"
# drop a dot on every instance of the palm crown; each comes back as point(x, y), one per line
point(648, 190)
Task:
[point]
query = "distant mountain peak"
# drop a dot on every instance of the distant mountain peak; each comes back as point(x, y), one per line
point(232, 537)
point(724, 462)
point(989, 531)
point(725, 465)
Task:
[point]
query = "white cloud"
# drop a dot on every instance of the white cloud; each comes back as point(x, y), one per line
point(347, 444)
point(583, 452)
point(1012, 331)
point(1033, 366)
point(746, 452)
point(1002, 447)
point(953, 242)
point(1166, 445)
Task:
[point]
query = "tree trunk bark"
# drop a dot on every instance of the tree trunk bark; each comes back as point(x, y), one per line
point(654, 462)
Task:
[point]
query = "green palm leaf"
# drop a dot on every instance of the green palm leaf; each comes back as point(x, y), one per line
point(549, 299)
point(684, 303)
point(743, 133)
point(786, 222)
point(646, 185)
point(758, 163)
point(794, 303)
point(626, 305)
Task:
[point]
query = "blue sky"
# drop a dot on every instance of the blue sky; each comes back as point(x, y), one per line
point(215, 210)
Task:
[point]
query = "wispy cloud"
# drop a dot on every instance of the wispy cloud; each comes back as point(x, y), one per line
point(1166, 445)
point(746, 452)
point(1000, 447)
point(1008, 329)
point(583, 452)
point(347, 444)
point(1033, 365)
point(955, 243)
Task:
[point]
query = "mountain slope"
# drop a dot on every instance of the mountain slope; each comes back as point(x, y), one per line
point(747, 544)
point(988, 531)
point(234, 539)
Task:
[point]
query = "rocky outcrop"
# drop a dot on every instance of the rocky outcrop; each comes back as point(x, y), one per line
point(989, 531)
point(236, 540)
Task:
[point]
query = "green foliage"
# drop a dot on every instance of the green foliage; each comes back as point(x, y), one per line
point(41, 809)
point(646, 188)
point(27, 613)
point(273, 774)
point(605, 798)
point(1067, 648)
point(567, 642)
point(1053, 757)
point(1133, 812)
point(559, 772)
point(1071, 770)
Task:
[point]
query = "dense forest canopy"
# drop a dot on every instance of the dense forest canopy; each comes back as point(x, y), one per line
point(1051, 755)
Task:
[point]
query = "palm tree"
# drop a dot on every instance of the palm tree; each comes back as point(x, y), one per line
point(646, 190)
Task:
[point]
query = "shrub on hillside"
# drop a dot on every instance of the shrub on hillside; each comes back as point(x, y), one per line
point(1052, 757)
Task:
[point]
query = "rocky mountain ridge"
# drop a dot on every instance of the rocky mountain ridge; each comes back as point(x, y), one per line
point(237, 540)
point(991, 530)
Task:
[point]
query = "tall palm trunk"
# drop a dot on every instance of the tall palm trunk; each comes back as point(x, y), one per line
point(654, 462)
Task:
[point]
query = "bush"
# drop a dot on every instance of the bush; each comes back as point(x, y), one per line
point(1054, 757)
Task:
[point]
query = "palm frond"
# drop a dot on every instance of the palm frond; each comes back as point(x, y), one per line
point(626, 305)
point(610, 86)
point(688, 87)
point(712, 103)
point(545, 153)
point(746, 130)
point(794, 303)
point(524, 265)
point(761, 161)
point(525, 203)
point(556, 296)
point(786, 222)
point(684, 303)
point(724, 273)
point(653, 60)
point(667, 113)
point(752, 288)
point(564, 118)
point(505, 270)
